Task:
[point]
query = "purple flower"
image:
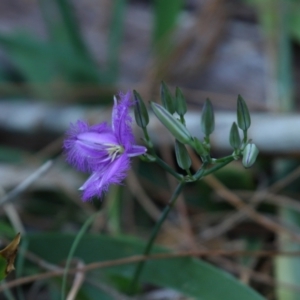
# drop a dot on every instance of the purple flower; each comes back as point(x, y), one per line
point(103, 150)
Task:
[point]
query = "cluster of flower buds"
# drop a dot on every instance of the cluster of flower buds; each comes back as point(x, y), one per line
point(172, 115)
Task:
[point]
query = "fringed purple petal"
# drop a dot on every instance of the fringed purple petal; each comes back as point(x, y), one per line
point(121, 120)
point(81, 147)
point(99, 182)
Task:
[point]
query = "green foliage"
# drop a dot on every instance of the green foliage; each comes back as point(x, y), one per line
point(64, 59)
point(195, 278)
point(165, 16)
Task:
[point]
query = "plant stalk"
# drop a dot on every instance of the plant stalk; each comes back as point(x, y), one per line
point(167, 209)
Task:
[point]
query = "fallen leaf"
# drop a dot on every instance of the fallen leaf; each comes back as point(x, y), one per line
point(8, 255)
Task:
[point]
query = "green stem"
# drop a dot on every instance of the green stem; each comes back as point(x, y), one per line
point(167, 209)
point(223, 159)
point(147, 138)
point(158, 160)
point(212, 169)
point(200, 173)
point(75, 243)
point(168, 168)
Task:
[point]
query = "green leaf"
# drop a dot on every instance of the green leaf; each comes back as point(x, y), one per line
point(165, 16)
point(43, 62)
point(115, 39)
point(189, 276)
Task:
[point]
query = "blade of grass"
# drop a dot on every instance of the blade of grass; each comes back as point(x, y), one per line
point(115, 39)
point(165, 17)
point(74, 246)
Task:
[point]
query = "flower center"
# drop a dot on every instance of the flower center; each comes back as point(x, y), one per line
point(114, 150)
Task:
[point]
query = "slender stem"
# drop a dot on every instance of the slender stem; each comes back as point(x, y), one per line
point(168, 168)
point(140, 266)
point(200, 173)
point(223, 159)
point(189, 172)
point(75, 243)
point(158, 160)
point(217, 167)
point(146, 135)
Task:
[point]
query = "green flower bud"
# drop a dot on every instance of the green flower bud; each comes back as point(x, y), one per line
point(234, 137)
point(180, 102)
point(207, 118)
point(182, 156)
point(177, 129)
point(140, 111)
point(243, 116)
point(249, 155)
point(166, 98)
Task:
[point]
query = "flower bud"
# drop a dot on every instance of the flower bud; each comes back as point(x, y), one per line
point(166, 98)
point(207, 118)
point(177, 129)
point(243, 116)
point(182, 156)
point(140, 111)
point(234, 137)
point(180, 102)
point(249, 155)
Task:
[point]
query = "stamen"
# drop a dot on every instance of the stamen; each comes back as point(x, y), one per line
point(114, 150)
